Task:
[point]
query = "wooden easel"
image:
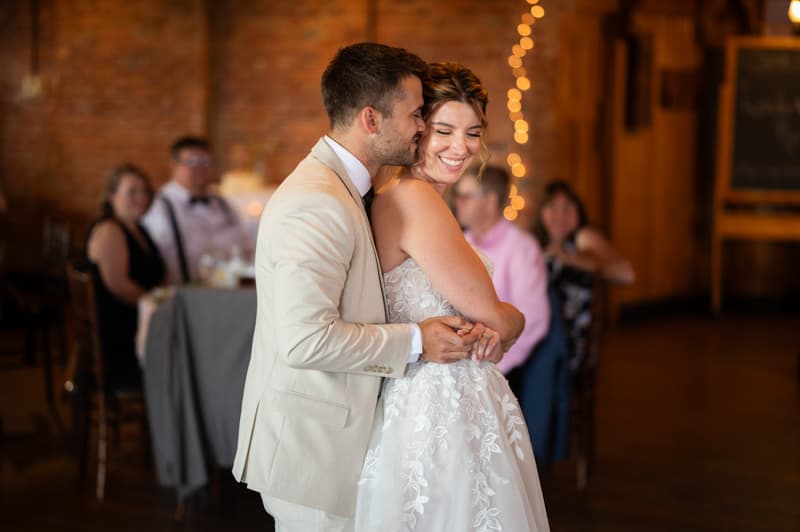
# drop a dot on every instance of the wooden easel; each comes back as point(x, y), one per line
point(748, 212)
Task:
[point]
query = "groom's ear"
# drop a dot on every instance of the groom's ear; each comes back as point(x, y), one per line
point(369, 118)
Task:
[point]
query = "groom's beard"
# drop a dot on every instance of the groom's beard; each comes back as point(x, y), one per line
point(390, 151)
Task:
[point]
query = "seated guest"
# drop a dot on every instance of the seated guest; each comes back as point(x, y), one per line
point(186, 221)
point(126, 264)
point(575, 254)
point(519, 274)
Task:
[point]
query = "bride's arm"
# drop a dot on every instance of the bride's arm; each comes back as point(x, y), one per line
point(429, 234)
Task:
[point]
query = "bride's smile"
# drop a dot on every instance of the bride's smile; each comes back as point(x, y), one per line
point(452, 140)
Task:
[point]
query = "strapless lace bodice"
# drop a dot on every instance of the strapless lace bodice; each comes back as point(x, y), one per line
point(449, 448)
point(411, 297)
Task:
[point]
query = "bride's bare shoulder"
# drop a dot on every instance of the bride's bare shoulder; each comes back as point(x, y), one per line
point(409, 193)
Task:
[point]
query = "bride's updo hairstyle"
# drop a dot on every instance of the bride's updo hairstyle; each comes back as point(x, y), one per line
point(453, 82)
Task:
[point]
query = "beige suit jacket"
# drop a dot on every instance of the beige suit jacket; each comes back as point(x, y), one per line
point(320, 345)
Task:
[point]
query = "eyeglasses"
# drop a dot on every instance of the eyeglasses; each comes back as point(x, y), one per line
point(196, 162)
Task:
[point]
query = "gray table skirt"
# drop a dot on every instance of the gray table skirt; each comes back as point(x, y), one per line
point(198, 350)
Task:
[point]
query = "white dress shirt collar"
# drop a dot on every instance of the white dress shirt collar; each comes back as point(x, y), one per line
point(177, 192)
point(356, 170)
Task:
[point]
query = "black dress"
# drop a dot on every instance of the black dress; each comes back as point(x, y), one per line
point(118, 319)
point(575, 289)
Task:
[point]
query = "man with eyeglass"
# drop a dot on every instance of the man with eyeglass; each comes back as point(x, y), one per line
point(186, 221)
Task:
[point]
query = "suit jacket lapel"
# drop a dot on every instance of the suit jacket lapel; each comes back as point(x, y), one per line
point(324, 154)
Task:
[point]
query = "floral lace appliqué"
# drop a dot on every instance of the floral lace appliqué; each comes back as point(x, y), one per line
point(441, 409)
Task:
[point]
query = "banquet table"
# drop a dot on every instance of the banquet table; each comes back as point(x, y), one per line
point(196, 356)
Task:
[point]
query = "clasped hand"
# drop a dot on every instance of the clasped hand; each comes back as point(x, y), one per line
point(451, 338)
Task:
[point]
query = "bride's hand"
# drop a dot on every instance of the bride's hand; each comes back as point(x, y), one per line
point(488, 346)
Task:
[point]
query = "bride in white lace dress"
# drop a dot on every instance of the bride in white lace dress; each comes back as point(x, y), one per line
point(449, 449)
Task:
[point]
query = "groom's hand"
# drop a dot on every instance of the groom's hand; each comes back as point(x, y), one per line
point(441, 341)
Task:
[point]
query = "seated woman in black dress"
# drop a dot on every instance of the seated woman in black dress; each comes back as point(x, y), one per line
point(575, 254)
point(126, 264)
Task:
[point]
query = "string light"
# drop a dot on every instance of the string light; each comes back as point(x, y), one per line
point(514, 106)
point(522, 83)
point(510, 213)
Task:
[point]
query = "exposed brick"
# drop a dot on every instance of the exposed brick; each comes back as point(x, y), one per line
point(123, 79)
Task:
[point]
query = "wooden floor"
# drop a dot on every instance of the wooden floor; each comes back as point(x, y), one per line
point(698, 429)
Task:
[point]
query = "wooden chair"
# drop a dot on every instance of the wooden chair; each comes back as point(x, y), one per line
point(584, 393)
point(33, 303)
point(583, 420)
point(94, 402)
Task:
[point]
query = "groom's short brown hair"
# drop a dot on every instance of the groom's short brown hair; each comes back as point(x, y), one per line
point(366, 74)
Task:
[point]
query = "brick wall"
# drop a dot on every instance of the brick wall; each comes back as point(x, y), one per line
point(122, 79)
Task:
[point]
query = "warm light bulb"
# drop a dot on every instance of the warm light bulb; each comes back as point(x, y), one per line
point(514, 191)
point(794, 11)
point(518, 202)
point(522, 83)
point(509, 213)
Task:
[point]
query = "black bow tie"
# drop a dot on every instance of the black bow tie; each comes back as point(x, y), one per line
point(204, 200)
point(368, 197)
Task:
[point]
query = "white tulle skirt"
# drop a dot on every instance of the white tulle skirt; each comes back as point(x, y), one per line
point(450, 452)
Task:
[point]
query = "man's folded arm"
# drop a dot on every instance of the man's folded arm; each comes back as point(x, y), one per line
point(312, 247)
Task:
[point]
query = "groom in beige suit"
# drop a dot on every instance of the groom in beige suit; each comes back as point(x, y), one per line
point(321, 344)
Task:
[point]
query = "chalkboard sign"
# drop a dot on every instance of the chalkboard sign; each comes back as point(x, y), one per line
point(761, 113)
point(757, 193)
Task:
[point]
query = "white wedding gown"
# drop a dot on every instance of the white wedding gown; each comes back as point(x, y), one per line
point(450, 450)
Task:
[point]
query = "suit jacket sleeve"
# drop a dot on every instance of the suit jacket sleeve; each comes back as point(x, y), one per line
point(312, 246)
